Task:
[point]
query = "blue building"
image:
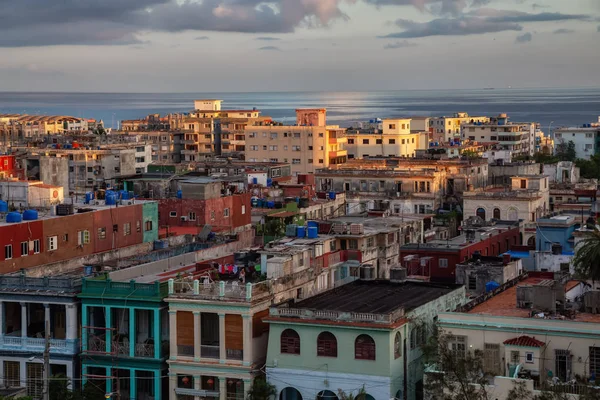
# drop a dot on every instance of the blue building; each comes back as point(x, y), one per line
point(27, 306)
point(556, 230)
point(125, 337)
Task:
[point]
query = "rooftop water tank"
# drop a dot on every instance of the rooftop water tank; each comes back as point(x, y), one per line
point(332, 195)
point(301, 231)
point(110, 197)
point(3, 206)
point(89, 196)
point(269, 182)
point(30, 215)
point(313, 232)
point(179, 194)
point(13, 217)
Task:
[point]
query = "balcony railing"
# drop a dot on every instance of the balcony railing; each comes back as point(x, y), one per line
point(120, 348)
point(185, 350)
point(234, 354)
point(336, 315)
point(144, 350)
point(209, 351)
point(37, 344)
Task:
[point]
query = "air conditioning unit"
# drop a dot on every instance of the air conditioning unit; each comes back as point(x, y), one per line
point(184, 218)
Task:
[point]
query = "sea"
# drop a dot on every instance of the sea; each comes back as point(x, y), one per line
point(549, 107)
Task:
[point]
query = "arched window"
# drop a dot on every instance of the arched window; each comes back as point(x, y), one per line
point(364, 348)
point(398, 345)
point(290, 342)
point(513, 214)
point(497, 213)
point(327, 395)
point(326, 345)
point(290, 393)
point(481, 213)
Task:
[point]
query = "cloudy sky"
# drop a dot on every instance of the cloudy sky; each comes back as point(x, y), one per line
point(278, 45)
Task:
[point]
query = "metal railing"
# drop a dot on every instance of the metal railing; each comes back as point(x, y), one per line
point(235, 354)
point(210, 351)
point(185, 350)
point(337, 315)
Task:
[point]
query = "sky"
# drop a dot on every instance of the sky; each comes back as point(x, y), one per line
point(297, 45)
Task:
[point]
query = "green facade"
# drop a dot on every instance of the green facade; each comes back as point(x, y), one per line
point(150, 214)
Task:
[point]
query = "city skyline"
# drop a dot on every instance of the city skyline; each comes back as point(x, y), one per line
point(290, 45)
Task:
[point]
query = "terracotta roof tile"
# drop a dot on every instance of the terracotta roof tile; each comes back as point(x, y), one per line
point(525, 341)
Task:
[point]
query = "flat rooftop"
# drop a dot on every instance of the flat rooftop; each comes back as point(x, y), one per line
point(376, 296)
point(504, 304)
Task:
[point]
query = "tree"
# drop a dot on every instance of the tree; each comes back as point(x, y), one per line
point(589, 169)
point(261, 390)
point(587, 256)
point(566, 151)
point(454, 374)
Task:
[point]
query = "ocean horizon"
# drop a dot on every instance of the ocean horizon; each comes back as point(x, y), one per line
point(547, 106)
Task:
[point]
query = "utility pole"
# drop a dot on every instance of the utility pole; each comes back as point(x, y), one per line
point(46, 370)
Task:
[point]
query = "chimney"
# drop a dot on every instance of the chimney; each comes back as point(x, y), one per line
point(505, 259)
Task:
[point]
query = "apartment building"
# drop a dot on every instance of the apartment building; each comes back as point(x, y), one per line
point(585, 137)
point(31, 239)
point(518, 137)
point(531, 329)
point(165, 147)
point(26, 312)
point(368, 332)
point(411, 186)
point(448, 128)
point(21, 194)
point(395, 140)
point(21, 126)
point(308, 145)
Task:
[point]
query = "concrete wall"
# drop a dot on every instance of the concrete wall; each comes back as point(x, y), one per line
point(501, 174)
point(55, 171)
point(150, 214)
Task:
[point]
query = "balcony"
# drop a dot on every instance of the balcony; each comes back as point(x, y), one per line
point(209, 352)
point(189, 152)
point(123, 290)
point(36, 345)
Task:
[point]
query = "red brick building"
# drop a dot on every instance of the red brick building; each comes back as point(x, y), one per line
point(226, 213)
point(8, 166)
point(437, 259)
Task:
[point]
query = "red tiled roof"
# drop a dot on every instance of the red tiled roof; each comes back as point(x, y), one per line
point(526, 341)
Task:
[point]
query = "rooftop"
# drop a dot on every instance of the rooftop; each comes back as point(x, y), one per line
point(376, 296)
point(504, 304)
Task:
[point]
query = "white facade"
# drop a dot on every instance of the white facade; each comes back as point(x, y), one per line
point(394, 140)
point(516, 137)
point(30, 193)
point(445, 129)
point(143, 158)
point(583, 137)
point(206, 105)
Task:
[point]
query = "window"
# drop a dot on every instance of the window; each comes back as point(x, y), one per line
point(392, 141)
point(24, 249)
point(472, 282)
point(101, 233)
point(273, 135)
point(34, 379)
point(443, 263)
point(273, 148)
point(320, 134)
point(364, 348)
point(212, 215)
point(326, 345)
point(12, 374)
point(370, 242)
point(378, 141)
point(496, 213)
point(52, 243)
point(226, 212)
point(350, 141)
point(173, 214)
point(458, 345)
point(127, 229)
point(8, 252)
point(66, 237)
point(529, 357)
point(309, 161)
point(36, 246)
point(332, 246)
point(320, 161)
point(296, 161)
point(594, 359)
point(148, 226)
point(515, 357)
point(353, 244)
point(523, 184)
point(290, 342)
point(365, 141)
point(397, 345)
point(192, 216)
point(296, 148)
point(243, 209)
point(403, 141)
point(83, 237)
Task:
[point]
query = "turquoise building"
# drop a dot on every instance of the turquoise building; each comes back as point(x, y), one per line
point(150, 215)
point(125, 336)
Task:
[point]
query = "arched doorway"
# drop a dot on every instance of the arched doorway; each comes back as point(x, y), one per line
point(326, 395)
point(497, 213)
point(290, 393)
point(481, 213)
point(531, 241)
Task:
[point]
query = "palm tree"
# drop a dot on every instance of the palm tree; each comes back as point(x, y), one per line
point(587, 256)
point(261, 390)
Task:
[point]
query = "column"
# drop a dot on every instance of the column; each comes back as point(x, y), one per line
point(197, 336)
point(70, 374)
point(1, 318)
point(84, 330)
point(47, 319)
point(71, 320)
point(157, 333)
point(197, 385)
point(132, 385)
point(109, 380)
point(172, 384)
point(24, 320)
point(158, 383)
point(247, 335)
point(222, 348)
point(132, 335)
point(173, 338)
point(83, 375)
point(222, 388)
point(247, 385)
point(109, 332)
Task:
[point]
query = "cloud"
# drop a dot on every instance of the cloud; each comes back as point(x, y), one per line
point(267, 38)
point(436, 7)
point(114, 22)
point(399, 45)
point(476, 22)
point(202, 38)
point(563, 31)
point(525, 38)
point(269, 48)
point(535, 6)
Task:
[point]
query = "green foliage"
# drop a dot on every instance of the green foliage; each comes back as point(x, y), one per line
point(589, 169)
point(470, 154)
point(99, 131)
point(261, 390)
point(566, 151)
point(587, 257)
point(351, 396)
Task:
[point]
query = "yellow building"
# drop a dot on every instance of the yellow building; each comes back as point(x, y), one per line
point(309, 145)
point(445, 129)
point(395, 140)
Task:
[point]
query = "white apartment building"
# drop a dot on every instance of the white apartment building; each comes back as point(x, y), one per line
point(584, 137)
point(394, 140)
point(518, 137)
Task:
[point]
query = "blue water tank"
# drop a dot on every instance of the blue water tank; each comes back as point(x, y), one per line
point(255, 181)
point(254, 201)
point(270, 204)
point(332, 195)
point(89, 196)
point(179, 194)
point(312, 224)
point(88, 270)
point(123, 194)
point(13, 217)
point(111, 198)
point(269, 182)
point(30, 215)
point(301, 231)
point(3, 206)
point(491, 286)
point(313, 232)
point(297, 199)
